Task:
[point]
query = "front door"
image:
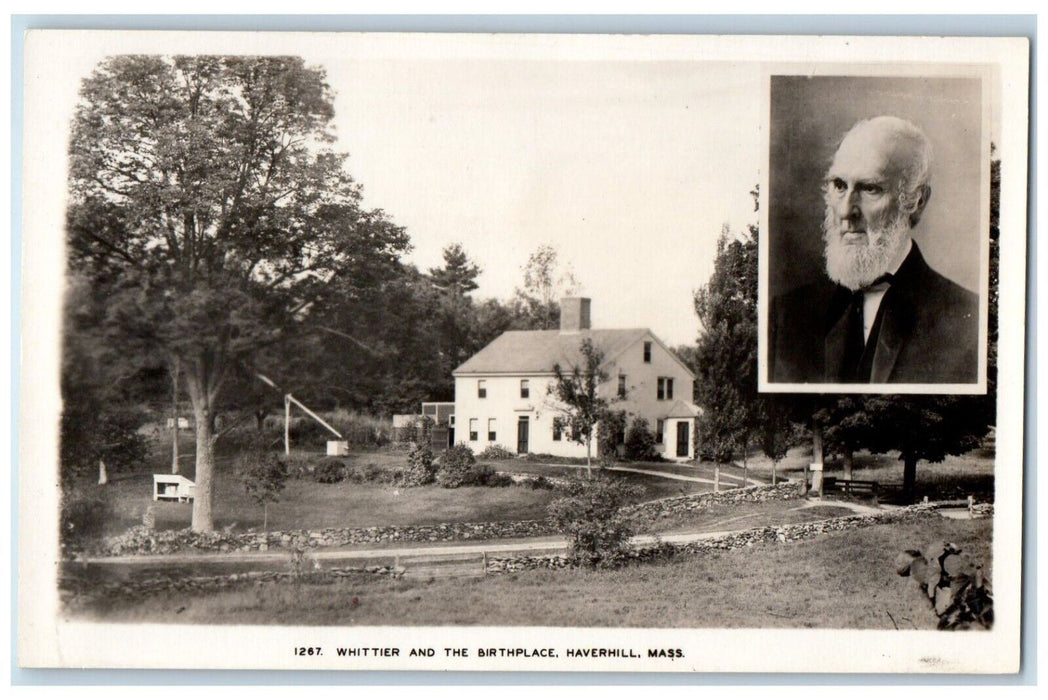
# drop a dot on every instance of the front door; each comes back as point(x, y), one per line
point(682, 439)
point(522, 435)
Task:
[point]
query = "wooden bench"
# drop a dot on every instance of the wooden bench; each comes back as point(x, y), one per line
point(850, 486)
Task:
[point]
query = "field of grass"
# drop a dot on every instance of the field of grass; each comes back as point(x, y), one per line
point(305, 504)
point(838, 580)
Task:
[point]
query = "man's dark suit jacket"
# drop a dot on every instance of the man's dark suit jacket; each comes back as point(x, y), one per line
point(927, 331)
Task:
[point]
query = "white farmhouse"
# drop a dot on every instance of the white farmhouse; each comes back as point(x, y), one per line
point(502, 393)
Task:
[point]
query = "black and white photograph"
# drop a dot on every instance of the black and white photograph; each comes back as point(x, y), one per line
point(879, 231)
point(430, 352)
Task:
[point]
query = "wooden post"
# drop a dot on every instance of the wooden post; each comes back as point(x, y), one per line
point(174, 417)
point(287, 424)
point(816, 459)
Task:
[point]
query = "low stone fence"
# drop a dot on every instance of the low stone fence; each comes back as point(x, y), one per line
point(72, 589)
point(664, 507)
point(740, 540)
point(142, 540)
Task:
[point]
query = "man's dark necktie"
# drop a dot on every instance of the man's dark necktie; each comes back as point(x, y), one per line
point(853, 368)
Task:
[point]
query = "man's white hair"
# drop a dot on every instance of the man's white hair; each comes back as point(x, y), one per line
point(915, 170)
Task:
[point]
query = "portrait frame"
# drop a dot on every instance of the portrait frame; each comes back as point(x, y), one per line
point(809, 110)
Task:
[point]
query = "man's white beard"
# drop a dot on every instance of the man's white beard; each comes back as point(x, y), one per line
point(857, 266)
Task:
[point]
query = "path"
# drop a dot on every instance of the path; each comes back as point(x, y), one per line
point(330, 555)
point(664, 475)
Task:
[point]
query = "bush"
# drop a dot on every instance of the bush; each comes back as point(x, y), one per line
point(300, 464)
point(84, 517)
point(496, 453)
point(539, 482)
point(455, 466)
point(330, 471)
point(497, 480)
point(640, 441)
point(591, 516)
point(421, 470)
point(458, 467)
point(609, 436)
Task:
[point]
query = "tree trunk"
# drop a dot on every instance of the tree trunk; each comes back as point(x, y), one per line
point(174, 417)
point(716, 479)
point(204, 418)
point(774, 472)
point(260, 420)
point(849, 461)
point(103, 478)
point(589, 450)
point(265, 518)
point(745, 467)
point(909, 478)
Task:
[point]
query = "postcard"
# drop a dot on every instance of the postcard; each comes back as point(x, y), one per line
point(354, 351)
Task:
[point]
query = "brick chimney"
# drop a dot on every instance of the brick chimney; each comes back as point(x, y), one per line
point(574, 314)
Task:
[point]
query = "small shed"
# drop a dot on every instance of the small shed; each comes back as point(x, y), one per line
point(438, 411)
point(173, 487)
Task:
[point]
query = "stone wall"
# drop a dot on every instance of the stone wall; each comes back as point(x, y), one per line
point(507, 564)
point(141, 540)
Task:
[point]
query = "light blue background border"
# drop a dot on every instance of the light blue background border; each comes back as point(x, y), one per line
point(875, 25)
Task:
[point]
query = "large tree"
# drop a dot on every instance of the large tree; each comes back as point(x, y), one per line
point(726, 356)
point(205, 200)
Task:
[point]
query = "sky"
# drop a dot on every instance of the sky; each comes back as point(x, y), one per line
point(627, 154)
point(629, 169)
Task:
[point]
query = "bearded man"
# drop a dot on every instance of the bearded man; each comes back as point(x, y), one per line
point(883, 315)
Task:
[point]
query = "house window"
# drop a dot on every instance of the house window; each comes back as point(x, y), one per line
point(558, 428)
point(660, 427)
point(525, 392)
point(669, 387)
point(473, 428)
point(664, 388)
point(451, 420)
point(622, 386)
point(491, 430)
point(482, 389)
point(647, 351)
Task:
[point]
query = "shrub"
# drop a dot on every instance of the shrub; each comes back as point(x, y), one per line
point(456, 465)
point(421, 469)
point(640, 441)
point(495, 479)
point(591, 516)
point(609, 436)
point(496, 452)
point(330, 471)
point(536, 483)
point(83, 517)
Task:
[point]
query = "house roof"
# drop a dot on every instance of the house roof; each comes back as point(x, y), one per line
point(682, 409)
point(535, 352)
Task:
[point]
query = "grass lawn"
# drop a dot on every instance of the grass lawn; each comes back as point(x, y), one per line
point(743, 516)
point(838, 580)
point(305, 504)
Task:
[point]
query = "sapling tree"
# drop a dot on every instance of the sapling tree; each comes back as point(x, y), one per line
point(576, 390)
point(263, 476)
